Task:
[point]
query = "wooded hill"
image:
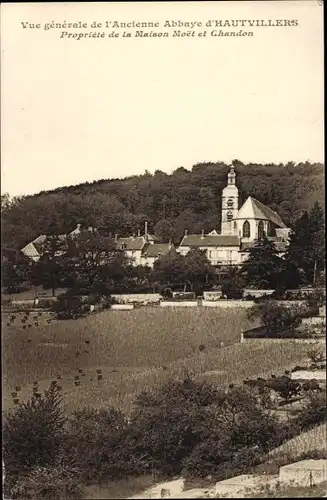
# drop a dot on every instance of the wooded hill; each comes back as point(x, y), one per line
point(185, 199)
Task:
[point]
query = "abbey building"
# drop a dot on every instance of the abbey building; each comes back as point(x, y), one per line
point(240, 228)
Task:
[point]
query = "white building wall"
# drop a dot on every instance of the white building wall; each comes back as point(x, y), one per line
point(135, 256)
point(217, 255)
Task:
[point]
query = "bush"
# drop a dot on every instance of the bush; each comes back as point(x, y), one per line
point(166, 293)
point(275, 317)
point(46, 303)
point(239, 432)
point(69, 306)
point(97, 441)
point(52, 483)
point(314, 411)
point(168, 422)
point(176, 426)
point(284, 386)
point(33, 432)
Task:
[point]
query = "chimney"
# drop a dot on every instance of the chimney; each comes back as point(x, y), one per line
point(145, 229)
point(185, 232)
point(202, 234)
point(139, 232)
point(79, 227)
point(116, 237)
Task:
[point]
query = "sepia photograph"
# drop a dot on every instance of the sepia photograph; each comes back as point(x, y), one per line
point(163, 290)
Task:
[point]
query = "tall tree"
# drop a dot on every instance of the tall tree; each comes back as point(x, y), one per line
point(49, 270)
point(317, 230)
point(306, 249)
point(16, 270)
point(164, 230)
point(193, 268)
point(94, 265)
point(264, 267)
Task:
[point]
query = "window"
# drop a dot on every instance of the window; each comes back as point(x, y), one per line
point(229, 215)
point(261, 230)
point(230, 203)
point(270, 230)
point(246, 229)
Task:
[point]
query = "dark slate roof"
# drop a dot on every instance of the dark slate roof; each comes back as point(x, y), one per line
point(152, 237)
point(131, 243)
point(157, 249)
point(261, 211)
point(280, 245)
point(196, 240)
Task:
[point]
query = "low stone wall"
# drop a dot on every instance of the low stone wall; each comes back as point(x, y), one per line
point(122, 307)
point(212, 296)
point(182, 303)
point(291, 303)
point(256, 293)
point(142, 298)
point(309, 375)
point(317, 340)
point(225, 303)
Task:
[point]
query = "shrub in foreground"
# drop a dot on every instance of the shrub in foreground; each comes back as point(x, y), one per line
point(314, 411)
point(33, 432)
point(96, 440)
point(48, 483)
point(171, 423)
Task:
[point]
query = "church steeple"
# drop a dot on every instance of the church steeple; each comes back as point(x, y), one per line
point(229, 207)
point(231, 176)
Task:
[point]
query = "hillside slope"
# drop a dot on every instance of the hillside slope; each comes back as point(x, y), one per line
point(186, 199)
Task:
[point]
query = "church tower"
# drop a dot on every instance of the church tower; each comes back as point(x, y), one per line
point(229, 207)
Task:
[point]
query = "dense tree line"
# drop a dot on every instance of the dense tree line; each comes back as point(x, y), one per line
point(89, 265)
point(186, 199)
point(183, 426)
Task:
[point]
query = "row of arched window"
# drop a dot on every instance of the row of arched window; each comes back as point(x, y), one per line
point(246, 232)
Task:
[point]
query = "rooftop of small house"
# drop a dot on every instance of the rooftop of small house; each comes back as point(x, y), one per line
point(209, 240)
point(157, 249)
point(280, 244)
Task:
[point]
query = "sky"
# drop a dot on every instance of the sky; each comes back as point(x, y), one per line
point(80, 110)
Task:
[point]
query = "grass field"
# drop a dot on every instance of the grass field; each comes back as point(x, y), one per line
point(134, 350)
